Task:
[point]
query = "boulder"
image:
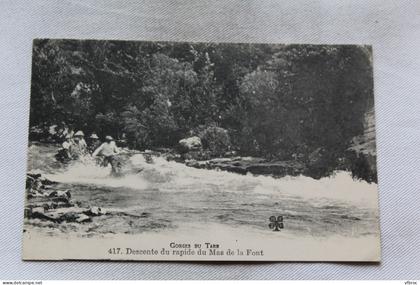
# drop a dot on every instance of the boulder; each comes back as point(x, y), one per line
point(82, 218)
point(38, 210)
point(60, 194)
point(70, 214)
point(190, 144)
point(95, 211)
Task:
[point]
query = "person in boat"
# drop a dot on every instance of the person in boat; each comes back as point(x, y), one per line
point(94, 143)
point(81, 136)
point(63, 154)
point(108, 150)
point(78, 149)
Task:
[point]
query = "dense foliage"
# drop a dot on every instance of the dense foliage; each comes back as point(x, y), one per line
point(216, 140)
point(277, 101)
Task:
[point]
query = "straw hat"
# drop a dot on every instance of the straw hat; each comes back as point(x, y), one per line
point(79, 134)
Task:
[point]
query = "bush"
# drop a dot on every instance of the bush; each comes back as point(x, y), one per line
point(321, 163)
point(216, 140)
point(363, 167)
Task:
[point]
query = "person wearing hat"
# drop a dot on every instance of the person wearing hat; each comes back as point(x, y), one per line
point(78, 148)
point(107, 150)
point(81, 136)
point(94, 143)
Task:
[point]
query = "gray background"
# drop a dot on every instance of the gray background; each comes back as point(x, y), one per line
point(392, 27)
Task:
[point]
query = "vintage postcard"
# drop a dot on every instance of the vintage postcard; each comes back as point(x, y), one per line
point(144, 150)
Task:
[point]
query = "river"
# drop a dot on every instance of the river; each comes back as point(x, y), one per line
point(166, 196)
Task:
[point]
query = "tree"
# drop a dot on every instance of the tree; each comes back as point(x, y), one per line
point(276, 101)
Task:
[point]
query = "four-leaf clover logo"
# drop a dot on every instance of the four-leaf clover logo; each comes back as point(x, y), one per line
point(276, 223)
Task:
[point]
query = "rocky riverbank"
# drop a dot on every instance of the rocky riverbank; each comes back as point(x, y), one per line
point(359, 159)
point(45, 203)
point(253, 165)
point(362, 166)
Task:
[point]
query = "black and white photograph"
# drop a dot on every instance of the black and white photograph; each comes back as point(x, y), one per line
point(148, 150)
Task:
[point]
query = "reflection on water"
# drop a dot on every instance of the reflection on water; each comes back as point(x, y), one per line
point(167, 195)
